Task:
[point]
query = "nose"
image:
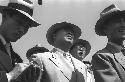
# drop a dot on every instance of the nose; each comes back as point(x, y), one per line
point(70, 34)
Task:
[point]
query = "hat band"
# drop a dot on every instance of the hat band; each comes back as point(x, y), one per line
point(21, 7)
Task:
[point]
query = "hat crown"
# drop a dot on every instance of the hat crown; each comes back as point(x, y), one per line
point(110, 9)
point(26, 6)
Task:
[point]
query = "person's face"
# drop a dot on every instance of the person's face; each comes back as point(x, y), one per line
point(64, 35)
point(79, 52)
point(116, 29)
point(15, 28)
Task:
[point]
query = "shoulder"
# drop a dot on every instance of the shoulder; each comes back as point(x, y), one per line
point(104, 53)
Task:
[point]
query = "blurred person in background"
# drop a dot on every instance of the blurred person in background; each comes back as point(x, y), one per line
point(37, 49)
point(80, 50)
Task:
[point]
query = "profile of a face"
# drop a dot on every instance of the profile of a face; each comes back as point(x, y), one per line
point(15, 28)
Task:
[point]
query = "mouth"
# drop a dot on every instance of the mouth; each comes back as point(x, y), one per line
point(69, 37)
point(80, 54)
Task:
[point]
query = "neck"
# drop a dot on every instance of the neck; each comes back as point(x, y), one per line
point(63, 46)
point(117, 41)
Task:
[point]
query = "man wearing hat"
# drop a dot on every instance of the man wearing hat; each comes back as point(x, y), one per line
point(16, 20)
point(58, 64)
point(109, 63)
point(80, 49)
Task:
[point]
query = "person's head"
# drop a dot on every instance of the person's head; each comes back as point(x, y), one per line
point(80, 49)
point(115, 29)
point(63, 34)
point(16, 19)
point(35, 50)
point(111, 24)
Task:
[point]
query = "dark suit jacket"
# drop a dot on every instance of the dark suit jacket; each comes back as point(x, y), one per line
point(105, 66)
point(7, 63)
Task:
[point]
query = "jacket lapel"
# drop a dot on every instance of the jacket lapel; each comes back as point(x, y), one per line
point(118, 56)
point(60, 65)
point(5, 59)
point(119, 66)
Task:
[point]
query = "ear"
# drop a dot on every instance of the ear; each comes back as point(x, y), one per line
point(105, 30)
point(54, 37)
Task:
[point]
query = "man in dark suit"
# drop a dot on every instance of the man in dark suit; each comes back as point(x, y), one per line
point(16, 20)
point(109, 63)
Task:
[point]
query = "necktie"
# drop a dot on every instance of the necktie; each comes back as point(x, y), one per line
point(7, 46)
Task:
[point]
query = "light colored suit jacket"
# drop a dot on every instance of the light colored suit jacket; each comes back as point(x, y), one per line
point(57, 69)
point(106, 67)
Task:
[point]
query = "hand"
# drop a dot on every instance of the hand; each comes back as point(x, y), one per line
point(18, 69)
point(31, 74)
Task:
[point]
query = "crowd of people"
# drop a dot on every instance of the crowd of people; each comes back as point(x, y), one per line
point(65, 62)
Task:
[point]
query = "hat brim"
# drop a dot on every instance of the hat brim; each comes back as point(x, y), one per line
point(99, 27)
point(76, 30)
point(85, 44)
point(31, 20)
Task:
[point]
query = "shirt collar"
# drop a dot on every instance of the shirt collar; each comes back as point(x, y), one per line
point(3, 39)
point(116, 46)
point(59, 51)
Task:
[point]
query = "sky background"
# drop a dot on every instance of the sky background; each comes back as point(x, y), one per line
point(83, 13)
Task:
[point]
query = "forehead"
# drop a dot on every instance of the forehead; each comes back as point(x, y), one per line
point(116, 20)
point(80, 45)
point(20, 19)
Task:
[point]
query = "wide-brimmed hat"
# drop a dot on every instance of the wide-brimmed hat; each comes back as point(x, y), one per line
point(63, 25)
point(23, 8)
point(84, 43)
point(106, 15)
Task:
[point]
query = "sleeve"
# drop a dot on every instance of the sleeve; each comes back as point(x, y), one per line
point(3, 77)
point(103, 69)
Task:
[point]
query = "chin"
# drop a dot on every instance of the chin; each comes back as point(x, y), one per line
point(13, 40)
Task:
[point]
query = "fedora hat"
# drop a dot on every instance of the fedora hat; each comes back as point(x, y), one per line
point(23, 8)
point(54, 28)
point(107, 14)
point(84, 43)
